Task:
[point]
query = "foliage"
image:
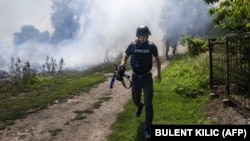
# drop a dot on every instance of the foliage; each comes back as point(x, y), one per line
point(21, 74)
point(231, 15)
point(195, 45)
point(211, 1)
point(51, 67)
point(194, 73)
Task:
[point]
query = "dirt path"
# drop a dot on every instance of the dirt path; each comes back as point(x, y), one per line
point(58, 117)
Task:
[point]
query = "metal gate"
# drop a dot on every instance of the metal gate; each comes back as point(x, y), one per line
point(230, 68)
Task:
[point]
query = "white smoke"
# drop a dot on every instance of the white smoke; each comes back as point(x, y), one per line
point(82, 32)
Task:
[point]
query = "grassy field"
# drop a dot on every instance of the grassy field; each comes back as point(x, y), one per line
point(179, 99)
point(19, 100)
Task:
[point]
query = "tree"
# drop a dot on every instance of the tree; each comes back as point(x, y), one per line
point(61, 64)
point(231, 15)
point(211, 1)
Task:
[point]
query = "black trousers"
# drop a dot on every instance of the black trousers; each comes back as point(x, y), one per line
point(144, 85)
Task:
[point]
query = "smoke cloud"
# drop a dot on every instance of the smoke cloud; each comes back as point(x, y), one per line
point(85, 32)
point(185, 16)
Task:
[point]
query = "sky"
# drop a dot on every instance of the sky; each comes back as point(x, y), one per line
point(101, 29)
point(15, 13)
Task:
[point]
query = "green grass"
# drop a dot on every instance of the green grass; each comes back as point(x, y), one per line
point(171, 105)
point(55, 131)
point(179, 99)
point(21, 100)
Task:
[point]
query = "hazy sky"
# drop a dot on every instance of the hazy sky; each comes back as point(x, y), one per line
point(15, 13)
point(105, 29)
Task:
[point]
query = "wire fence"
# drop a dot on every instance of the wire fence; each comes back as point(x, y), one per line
point(230, 68)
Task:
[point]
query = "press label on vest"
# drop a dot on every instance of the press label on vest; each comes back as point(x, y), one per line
point(141, 50)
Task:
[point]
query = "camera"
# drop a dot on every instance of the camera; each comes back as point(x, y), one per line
point(120, 73)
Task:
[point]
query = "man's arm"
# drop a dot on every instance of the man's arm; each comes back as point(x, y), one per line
point(158, 67)
point(124, 60)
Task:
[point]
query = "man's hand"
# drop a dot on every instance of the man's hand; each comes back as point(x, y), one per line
point(158, 78)
point(158, 67)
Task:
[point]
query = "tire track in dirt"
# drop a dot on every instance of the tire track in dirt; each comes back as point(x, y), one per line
point(59, 117)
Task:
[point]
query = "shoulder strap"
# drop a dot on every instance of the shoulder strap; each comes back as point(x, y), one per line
point(130, 82)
